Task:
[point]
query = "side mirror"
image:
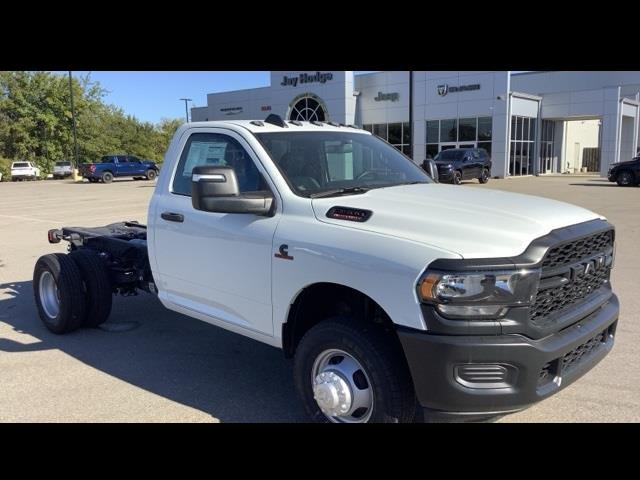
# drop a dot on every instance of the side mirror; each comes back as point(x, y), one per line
point(429, 166)
point(215, 189)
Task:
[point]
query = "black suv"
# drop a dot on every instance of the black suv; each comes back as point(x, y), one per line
point(457, 164)
point(625, 173)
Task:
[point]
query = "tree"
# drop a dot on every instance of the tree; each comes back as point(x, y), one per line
point(36, 122)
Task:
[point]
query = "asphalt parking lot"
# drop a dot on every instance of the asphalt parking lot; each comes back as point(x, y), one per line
point(151, 365)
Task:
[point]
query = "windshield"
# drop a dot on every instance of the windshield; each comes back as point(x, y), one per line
point(20, 165)
point(450, 155)
point(317, 162)
point(63, 164)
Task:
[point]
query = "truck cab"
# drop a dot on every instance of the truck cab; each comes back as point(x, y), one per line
point(326, 242)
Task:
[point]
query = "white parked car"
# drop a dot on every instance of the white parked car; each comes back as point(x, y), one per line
point(387, 289)
point(62, 170)
point(24, 171)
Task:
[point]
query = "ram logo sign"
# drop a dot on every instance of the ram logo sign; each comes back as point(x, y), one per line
point(443, 90)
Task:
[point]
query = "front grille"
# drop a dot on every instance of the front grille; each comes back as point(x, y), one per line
point(577, 275)
point(555, 300)
point(572, 359)
point(575, 251)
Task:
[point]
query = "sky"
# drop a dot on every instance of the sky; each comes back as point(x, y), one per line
point(151, 96)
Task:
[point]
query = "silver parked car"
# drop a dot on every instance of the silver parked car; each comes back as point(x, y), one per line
point(62, 170)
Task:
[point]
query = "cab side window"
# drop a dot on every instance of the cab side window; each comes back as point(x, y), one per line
point(216, 149)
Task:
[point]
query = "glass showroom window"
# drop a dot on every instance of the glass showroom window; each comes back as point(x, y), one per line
point(521, 152)
point(467, 129)
point(397, 134)
point(473, 131)
point(449, 130)
point(433, 138)
point(547, 139)
point(485, 125)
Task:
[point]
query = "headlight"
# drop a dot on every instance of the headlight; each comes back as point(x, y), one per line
point(483, 295)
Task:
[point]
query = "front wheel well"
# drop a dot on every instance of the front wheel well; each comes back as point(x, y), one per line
point(321, 301)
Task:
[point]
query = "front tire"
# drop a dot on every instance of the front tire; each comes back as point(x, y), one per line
point(624, 179)
point(151, 174)
point(97, 286)
point(59, 293)
point(356, 371)
point(457, 178)
point(484, 177)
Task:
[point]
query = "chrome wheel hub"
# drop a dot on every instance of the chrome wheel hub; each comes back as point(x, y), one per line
point(341, 387)
point(49, 296)
point(332, 393)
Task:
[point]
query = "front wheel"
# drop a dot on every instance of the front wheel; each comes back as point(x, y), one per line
point(457, 178)
point(484, 177)
point(151, 174)
point(351, 372)
point(624, 179)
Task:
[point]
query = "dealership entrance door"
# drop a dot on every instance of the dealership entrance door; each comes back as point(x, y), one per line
point(581, 146)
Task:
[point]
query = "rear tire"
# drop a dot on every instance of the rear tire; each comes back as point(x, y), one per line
point(457, 178)
point(484, 176)
point(624, 179)
point(97, 285)
point(151, 174)
point(383, 365)
point(59, 293)
point(107, 177)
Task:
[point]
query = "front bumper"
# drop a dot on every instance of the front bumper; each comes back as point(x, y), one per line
point(537, 368)
point(445, 176)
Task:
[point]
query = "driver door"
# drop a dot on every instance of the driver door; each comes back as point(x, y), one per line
point(216, 264)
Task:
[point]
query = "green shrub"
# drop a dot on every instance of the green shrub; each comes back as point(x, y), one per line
point(5, 169)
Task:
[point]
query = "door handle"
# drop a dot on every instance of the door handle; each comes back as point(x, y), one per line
point(172, 217)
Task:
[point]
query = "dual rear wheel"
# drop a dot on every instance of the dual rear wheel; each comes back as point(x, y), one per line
point(72, 291)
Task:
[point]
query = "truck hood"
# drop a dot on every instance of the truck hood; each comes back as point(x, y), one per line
point(472, 222)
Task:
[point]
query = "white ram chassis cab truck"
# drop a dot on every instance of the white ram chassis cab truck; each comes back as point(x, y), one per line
point(394, 295)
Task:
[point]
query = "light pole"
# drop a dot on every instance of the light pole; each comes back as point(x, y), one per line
point(73, 116)
point(186, 110)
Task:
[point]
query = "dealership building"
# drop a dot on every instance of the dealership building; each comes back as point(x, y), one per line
point(531, 123)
